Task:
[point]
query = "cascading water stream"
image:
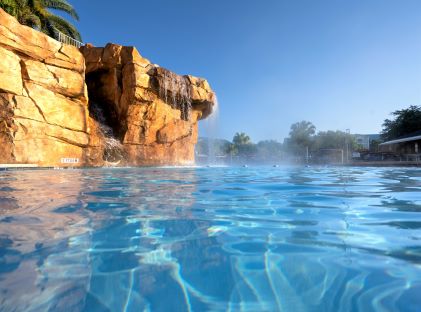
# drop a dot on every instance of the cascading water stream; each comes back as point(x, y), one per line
point(175, 90)
point(211, 128)
point(113, 149)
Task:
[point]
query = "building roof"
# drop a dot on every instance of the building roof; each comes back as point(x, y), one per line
point(372, 136)
point(414, 136)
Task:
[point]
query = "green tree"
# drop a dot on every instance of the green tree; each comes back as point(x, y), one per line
point(37, 14)
point(240, 138)
point(21, 11)
point(242, 145)
point(405, 121)
point(301, 136)
point(334, 140)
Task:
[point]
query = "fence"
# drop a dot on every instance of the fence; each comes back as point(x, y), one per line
point(63, 38)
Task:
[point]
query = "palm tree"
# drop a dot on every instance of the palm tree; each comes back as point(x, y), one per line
point(240, 138)
point(36, 14)
point(21, 11)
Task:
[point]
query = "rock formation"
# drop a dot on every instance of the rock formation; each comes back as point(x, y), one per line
point(43, 99)
point(151, 110)
point(57, 111)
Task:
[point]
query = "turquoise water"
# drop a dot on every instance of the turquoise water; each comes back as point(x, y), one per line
point(211, 239)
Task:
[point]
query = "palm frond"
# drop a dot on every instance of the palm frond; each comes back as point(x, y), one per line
point(61, 5)
point(38, 8)
point(7, 3)
point(31, 20)
point(64, 26)
point(9, 6)
point(36, 14)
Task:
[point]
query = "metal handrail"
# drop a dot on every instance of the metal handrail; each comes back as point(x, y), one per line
point(63, 38)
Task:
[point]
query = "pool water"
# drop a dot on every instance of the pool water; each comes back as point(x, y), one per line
point(211, 239)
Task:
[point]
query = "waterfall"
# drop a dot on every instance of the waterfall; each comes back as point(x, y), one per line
point(113, 149)
point(211, 127)
point(175, 90)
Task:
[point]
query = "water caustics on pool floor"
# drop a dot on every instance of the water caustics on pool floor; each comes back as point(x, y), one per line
point(211, 239)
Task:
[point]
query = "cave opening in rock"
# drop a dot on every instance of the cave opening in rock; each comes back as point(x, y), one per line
point(104, 92)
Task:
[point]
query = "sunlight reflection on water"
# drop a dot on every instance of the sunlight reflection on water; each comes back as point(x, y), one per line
point(228, 239)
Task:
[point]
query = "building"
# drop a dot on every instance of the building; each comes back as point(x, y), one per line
point(364, 140)
point(409, 145)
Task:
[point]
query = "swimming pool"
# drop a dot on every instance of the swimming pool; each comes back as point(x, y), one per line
point(211, 239)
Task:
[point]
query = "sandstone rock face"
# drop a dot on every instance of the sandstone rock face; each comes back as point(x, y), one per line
point(43, 99)
point(137, 113)
point(153, 112)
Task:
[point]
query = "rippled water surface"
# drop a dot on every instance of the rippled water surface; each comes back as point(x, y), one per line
point(211, 239)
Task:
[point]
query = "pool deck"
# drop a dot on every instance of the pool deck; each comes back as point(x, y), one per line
point(18, 166)
point(385, 164)
point(11, 167)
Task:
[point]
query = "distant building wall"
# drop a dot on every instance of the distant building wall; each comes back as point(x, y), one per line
point(411, 147)
point(364, 140)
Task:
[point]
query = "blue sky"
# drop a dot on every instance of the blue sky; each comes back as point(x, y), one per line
point(339, 64)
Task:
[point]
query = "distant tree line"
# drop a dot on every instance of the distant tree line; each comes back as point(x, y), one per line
point(240, 148)
point(305, 142)
point(302, 139)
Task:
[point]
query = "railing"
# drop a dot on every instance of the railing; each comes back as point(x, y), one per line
point(63, 38)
